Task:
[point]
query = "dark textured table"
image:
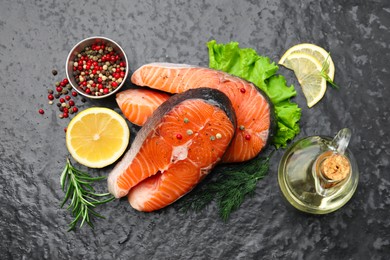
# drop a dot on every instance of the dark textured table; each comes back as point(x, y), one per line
point(36, 36)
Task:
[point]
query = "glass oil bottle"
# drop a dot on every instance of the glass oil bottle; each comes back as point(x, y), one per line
point(318, 174)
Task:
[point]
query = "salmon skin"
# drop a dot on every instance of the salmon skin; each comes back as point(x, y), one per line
point(253, 109)
point(175, 149)
point(139, 104)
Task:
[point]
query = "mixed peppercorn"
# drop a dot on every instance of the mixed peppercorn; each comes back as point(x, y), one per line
point(64, 94)
point(98, 70)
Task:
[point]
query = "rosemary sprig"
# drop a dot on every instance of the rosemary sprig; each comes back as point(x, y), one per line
point(77, 187)
point(324, 74)
point(229, 188)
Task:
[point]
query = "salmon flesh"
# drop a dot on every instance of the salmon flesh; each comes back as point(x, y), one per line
point(139, 104)
point(175, 149)
point(252, 107)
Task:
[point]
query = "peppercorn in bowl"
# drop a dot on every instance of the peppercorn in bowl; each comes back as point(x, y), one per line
point(97, 67)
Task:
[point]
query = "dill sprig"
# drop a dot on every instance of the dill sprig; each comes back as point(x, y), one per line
point(324, 73)
point(82, 195)
point(230, 187)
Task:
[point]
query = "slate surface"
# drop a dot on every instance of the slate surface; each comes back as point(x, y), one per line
point(35, 37)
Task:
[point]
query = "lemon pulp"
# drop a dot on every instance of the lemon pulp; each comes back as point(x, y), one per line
point(97, 137)
point(307, 61)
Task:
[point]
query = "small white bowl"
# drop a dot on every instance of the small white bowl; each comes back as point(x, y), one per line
point(80, 47)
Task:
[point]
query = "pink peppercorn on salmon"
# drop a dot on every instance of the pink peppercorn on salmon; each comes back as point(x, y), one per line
point(175, 149)
point(139, 104)
point(252, 107)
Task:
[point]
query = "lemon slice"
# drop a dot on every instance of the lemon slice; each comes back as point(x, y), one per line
point(317, 52)
point(307, 69)
point(97, 137)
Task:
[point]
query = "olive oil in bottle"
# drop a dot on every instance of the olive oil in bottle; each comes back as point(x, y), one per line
point(318, 174)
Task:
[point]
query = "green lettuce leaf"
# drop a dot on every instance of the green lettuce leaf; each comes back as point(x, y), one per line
point(247, 64)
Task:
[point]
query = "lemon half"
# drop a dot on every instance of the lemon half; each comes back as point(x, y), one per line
point(97, 137)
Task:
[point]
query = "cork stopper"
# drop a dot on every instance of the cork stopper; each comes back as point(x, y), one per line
point(335, 167)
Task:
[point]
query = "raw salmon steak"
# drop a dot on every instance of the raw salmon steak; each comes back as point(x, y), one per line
point(175, 149)
point(139, 104)
point(253, 109)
